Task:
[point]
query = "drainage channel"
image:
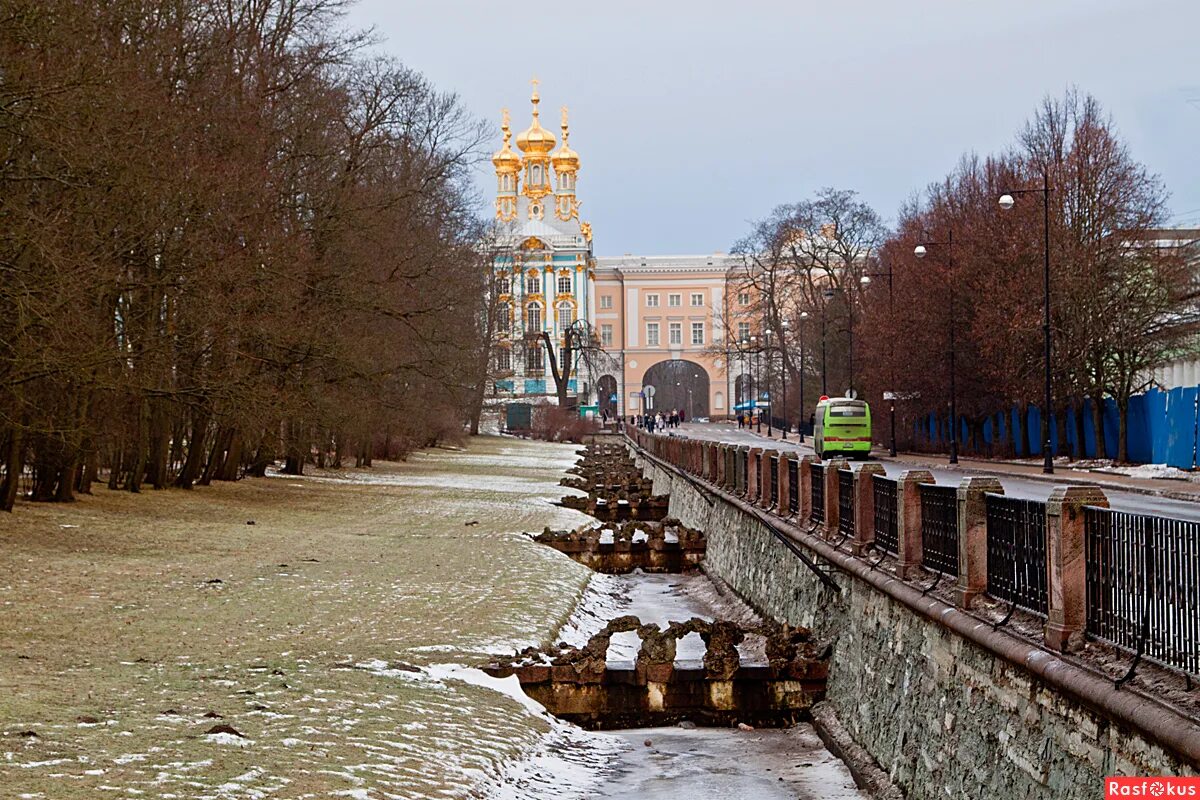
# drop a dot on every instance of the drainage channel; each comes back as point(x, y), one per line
point(709, 697)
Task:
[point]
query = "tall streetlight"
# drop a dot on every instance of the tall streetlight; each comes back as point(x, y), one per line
point(865, 280)
point(920, 251)
point(783, 369)
point(800, 427)
point(755, 375)
point(1006, 203)
point(766, 351)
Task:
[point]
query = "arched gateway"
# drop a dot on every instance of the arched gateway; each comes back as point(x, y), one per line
point(677, 384)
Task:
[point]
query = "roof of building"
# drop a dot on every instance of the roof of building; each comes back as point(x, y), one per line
point(717, 262)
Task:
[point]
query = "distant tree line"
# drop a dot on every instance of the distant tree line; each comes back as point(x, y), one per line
point(1121, 305)
point(229, 235)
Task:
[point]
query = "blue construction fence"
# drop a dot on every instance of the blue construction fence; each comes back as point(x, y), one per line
point(1162, 429)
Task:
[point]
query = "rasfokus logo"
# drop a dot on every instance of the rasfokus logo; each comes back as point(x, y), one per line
point(1164, 786)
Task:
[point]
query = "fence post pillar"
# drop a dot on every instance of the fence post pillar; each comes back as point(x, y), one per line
point(1066, 561)
point(783, 504)
point(804, 484)
point(752, 470)
point(740, 478)
point(972, 538)
point(722, 460)
point(908, 520)
point(764, 478)
point(864, 507)
point(832, 489)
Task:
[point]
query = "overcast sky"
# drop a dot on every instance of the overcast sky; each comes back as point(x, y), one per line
point(693, 118)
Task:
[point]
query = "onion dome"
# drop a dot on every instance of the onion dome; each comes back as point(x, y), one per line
point(505, 159)
point(535, 138)
point(565, 159)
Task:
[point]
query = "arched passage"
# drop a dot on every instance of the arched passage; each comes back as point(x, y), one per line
point(678, 384)
point(606, 387)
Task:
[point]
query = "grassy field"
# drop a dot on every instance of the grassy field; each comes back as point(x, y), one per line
point(134, 624)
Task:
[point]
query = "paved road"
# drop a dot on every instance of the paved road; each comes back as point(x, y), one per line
point(1014, 486)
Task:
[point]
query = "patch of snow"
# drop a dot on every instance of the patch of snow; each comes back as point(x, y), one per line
point(228, 739)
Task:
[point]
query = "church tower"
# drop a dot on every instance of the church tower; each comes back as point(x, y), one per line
point(536, 143)
point(508, 169)
point(566, 165)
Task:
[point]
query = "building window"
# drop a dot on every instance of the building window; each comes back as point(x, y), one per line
point(651, 301)
point(743, 331)
point(533, 284)
point(533, 318)
point(566, 315)
point(674, 300)
point(533, 357)
point(652, 334)
point(744, 298)
point(503, 285)
point(504, 360)
point(606, 301)
point(606, 335)
point(504, 318)
point(564, 284)
point(697, 333)
point(676, 332)
point(697, 299)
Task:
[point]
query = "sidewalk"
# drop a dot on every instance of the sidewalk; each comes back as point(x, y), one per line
point(1063, 475)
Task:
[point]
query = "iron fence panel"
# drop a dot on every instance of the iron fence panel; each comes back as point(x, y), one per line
point(886, 530)
point(817, 493)
point(845, 502)
point(1143, 585)
point(939, 528)
point(1016, 551)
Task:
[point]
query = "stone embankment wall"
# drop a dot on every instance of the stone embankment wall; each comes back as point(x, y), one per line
point(942, 715)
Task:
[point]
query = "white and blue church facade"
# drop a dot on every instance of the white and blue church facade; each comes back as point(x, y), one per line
point(545, 272)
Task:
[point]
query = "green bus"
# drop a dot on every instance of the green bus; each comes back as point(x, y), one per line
point(842, 428)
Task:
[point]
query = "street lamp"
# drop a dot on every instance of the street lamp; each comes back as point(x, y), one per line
point(754, 382)
point(920, 251)
point(1006, 203)
point(800, 426)
point(865, 280)
point(783, 369)
point(766, 350)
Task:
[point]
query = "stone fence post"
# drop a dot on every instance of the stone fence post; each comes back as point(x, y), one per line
point(752, 471)
point(805, 485)
point(764, 479)
point(1066, 590)
point(864, 507)
point(908, 520)
point(783, 504)
point(972, 538)
point(832, 510)
point(722, 479)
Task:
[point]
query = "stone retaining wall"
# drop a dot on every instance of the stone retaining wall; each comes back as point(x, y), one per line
point(945, 717)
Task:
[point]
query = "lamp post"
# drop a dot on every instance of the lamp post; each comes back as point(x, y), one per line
point(920, 251)
point(826, 295)
point(755, 380)
point(865, 280)
point(766, 350)
point(1006, 203)
point(800, 427)
point(783, 369)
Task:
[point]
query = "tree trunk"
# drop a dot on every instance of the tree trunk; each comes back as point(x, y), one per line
point(1123, 430)
point(14, 462)
point(1098, 422)
point(137, 465)
point(1080, 428)
point(233, 459)
point(195, 450)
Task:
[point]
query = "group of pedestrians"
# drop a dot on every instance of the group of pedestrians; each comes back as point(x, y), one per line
point(745, 419)
point(660, 421)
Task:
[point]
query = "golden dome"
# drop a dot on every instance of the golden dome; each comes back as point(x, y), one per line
point(505, 159)
point(535, 138)
point(565, 159)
